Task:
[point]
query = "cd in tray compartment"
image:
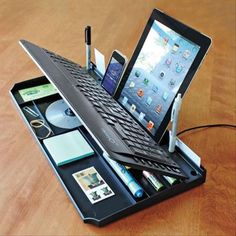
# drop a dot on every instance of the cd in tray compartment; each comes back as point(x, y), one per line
point(60, 115)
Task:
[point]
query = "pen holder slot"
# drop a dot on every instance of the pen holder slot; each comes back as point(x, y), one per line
point(146, 185)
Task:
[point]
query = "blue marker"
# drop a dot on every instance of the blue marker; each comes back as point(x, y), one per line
point(126, 177)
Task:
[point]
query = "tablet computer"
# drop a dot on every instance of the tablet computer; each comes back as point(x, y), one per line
point(163, 64)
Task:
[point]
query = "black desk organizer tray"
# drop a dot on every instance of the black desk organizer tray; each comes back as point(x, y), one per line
point(123, 202)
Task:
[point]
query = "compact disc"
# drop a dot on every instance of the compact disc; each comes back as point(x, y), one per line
point(60, 115)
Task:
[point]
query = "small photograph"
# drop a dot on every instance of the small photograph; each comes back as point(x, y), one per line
point(88, 178)
point(93, 185)
point(95, 196)
point(106, 191)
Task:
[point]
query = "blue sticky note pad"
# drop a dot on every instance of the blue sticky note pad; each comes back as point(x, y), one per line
point(68, 147)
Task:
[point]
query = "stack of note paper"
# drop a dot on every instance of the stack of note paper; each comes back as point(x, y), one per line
point(68, 147)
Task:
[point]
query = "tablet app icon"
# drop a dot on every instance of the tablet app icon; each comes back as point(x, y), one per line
point(168, 62)
point(186, 54)
point(132, 84)
point(140, 92)
point(132, 108)
point(175, 48)
point(146, 81)
point(124, 100)
point(179, 68)
point(158, 108)
point(137, 73)
point(172, 83)
point(165, 96)
point(150, 125)
point(165, 41)
point(149, 101)
point(162, 75)
point(154, 88)
point(141, 116)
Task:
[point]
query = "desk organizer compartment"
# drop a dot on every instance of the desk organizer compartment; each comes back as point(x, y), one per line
point(123, 202)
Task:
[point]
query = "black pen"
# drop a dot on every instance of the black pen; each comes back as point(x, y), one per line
point(88, 45)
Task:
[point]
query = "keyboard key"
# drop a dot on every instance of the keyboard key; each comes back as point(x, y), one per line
point(82, 89)
point(104, 115)
point(142, 161)
point(129, 143)
point(132, 139)
point(98, 109)
point(127, 132)
point(139, 140)
point(112, 118)
point(155, 164)
point(156, 151)
point(91, 99)
point(139, 152)
point(145, 148)
point(110, 122)
point(138, 145)
point(162, 167)
point(176, 170)
point(134, 135)
point(122, 122)
point(95, 104)
point(149, 163)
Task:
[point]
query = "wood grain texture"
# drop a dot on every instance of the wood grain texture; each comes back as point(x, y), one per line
point(32, 202)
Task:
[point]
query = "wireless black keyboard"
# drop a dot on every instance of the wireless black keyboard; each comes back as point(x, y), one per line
point(120, 136)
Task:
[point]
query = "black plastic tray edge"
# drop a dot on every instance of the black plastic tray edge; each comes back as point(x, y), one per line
point(41, 147)
point(85, 219)
point(129, 210)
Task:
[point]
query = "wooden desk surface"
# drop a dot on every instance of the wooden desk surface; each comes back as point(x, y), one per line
point(32, 200)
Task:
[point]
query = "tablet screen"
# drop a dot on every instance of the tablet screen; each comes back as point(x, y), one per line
point(157, 74)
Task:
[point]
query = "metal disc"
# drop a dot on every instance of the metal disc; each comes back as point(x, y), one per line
point(60, 115)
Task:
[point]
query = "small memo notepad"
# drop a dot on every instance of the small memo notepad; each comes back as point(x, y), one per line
point(36, 92)
point(68, 147)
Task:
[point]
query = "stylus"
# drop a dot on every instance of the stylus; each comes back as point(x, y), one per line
point(174, 120)
point(88, 46)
